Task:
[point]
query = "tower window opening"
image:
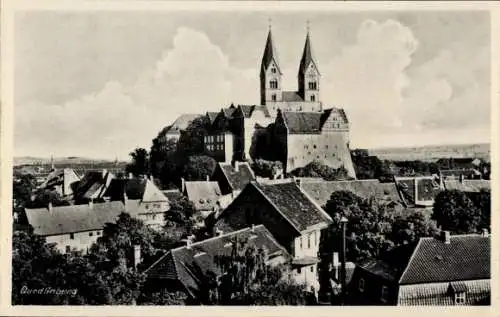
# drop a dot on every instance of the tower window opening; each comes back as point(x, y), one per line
point(313, 85)
point(313, 98)
point(273, 97)
point(273, 84)
point(273, 70)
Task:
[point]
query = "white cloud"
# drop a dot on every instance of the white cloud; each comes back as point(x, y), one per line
point(195, 76)
point(389, 100)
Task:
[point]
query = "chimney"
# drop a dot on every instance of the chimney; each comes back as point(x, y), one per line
point(49, 207)
point(208, 178)
point(91, 203)
point(445, 236)
point(253, 227)
point(336, 264)
point(485, 232)
point(183, 184)
point(189, 241)
point(125, 197)
point(136, 257)
point(298, 181)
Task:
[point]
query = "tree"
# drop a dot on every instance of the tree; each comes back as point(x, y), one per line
point(454, 211)
point(406, 230)
point(199, 167)
point(43, 197)
point(140, 162)
point(165, 160)
point(482, 201)
point(267, 169)
point(318, 169)
point(371, 167)
point(22, 189)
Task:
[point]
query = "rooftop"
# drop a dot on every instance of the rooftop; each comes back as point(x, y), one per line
point(182, 123)
point(237, 179)
point(203, 194)
point(294, 205)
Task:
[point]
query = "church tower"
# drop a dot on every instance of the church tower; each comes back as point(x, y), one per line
point(309, 75)
point(270, 74)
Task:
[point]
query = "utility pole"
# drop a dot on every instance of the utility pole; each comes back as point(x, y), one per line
point(343, 223)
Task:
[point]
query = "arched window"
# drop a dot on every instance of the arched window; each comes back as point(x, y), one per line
point(273, 84)
point(273, 97)
point(313, 85)
point(313, 98)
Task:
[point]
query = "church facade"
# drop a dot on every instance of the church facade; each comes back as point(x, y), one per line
point(302, 129)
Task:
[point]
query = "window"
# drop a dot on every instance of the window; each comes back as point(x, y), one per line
point(361, 285)
point(68, 249)
point(313, 98)
point(315, 238)
point(273, 70)
point(72, 236)
point(313, 85)
point(273, 97)
point(301, 243)
point(460, 298)
point(385, 293)
point(98, 233)
point(309, 241)
point(312, 269)
point(299, 270)
point(91, 234)
point(273, 84)
point(314, 146)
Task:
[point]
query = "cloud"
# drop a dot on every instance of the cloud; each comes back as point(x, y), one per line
point(193, 77)
point(389, 99)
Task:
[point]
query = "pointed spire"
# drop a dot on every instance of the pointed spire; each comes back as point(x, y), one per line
point(52, 167)
point(307, 55)
point(270, 53)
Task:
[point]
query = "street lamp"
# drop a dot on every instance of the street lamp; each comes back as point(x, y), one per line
point(343, 223)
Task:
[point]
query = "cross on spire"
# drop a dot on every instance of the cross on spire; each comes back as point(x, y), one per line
point(270, 23)
point(307, 26)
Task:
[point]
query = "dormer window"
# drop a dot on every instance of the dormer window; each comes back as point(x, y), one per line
point(460, 298)
point(459, 292)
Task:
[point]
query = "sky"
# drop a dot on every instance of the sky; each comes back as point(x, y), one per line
point(99, 84)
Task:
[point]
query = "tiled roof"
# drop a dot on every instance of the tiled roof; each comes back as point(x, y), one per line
point(466, 257)
point(456, 173)
point(136, 188)
point(295, 206)
point(477, 184)
point(190, 265)
point(249, 110)
point(291, 96)
point(182, 123)
point(75, 218)
point(237, 179)
point(321, 190)
point(203, 194)
point(303, 122)
point(64, 177)
point(93, 184)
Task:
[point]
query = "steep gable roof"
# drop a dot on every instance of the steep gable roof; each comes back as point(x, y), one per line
point(420, 190)
point(294, 204)
point(321, 190)
point(307, 56)
point(237, 179)
point(75, 218)
point(291, 96)
point(270, 54)
point(203, 194)
point(191, 265)
point(249, 110)
point(211, 116)
point(136, 188)
point(94, 184)
point(305, 122)
point(466, 257)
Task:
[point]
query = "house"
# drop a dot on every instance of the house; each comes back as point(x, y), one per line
point(203, 194)
point(188, 268)
point(321, 190)
point(302, 137)
point(459, 163)
point(63, 181)
point(219, 139)
point(150, 203)
point(444, 270)
point(293, 218)
point(92, 186)
point(233, 177)
point(75, 227)
point(418, 191)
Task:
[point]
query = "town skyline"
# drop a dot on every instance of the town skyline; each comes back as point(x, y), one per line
point(198, 65)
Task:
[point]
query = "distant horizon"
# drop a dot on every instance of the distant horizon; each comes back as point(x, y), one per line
point(107, 159)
